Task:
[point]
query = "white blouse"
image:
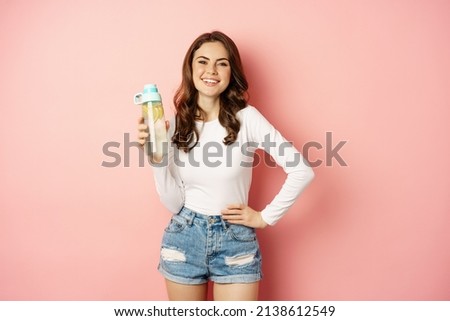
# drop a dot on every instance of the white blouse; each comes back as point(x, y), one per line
point(213, 175)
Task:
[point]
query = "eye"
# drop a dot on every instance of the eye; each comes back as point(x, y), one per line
point(202, 62)
point(223, 64)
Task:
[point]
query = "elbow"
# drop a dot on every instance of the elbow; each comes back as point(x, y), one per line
point(171, 205)
point(303, 175)
point(307, 171)
point(310, 175)
point(307, 175)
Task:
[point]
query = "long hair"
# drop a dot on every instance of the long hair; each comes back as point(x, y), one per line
point(233, 99)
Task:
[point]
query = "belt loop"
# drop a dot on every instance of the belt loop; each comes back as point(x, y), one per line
point(187, 214)
point(191, 217)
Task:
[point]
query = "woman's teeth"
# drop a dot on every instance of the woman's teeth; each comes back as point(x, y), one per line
point(210, 81)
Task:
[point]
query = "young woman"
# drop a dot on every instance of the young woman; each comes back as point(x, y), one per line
point(205, 177)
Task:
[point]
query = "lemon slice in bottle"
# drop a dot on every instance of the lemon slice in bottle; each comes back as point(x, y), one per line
point(157, 112)
point(145, 110)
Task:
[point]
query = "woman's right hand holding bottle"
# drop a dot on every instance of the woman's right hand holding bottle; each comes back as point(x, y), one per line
point(144, 137)
point(142, 132)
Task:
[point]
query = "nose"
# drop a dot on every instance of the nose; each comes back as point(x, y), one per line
point(211, 69)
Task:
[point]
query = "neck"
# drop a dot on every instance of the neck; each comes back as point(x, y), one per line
point(210, 106)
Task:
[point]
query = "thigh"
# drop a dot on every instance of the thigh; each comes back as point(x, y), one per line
point(183, 292)
point(236, 291)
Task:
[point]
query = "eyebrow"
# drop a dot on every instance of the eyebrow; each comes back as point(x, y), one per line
point(203, 57)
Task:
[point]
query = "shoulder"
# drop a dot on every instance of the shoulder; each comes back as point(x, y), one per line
point(249, 113)
point(254, 123)
point(248, 110)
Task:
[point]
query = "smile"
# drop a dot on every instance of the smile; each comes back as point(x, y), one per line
point(210, 82)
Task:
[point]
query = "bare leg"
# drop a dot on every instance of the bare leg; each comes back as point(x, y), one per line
point(183, 292)
point(236, 291)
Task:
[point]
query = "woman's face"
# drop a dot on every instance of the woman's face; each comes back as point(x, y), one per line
point(211, 70)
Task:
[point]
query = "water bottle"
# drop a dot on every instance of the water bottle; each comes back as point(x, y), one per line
point(153, 113)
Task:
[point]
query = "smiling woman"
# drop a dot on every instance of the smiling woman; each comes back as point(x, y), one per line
point(211, 236)
point(221, 60)
point(211, 75)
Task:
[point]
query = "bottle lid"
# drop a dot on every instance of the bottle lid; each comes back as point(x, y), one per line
point(150, 93)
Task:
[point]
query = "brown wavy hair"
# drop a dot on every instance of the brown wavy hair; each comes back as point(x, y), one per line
point(233, 99)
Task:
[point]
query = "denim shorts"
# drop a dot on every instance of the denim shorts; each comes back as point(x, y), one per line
point(197, 248)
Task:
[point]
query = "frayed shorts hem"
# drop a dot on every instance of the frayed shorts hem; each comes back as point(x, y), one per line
point(179, 279)
point(243, 278)
point(226, 279)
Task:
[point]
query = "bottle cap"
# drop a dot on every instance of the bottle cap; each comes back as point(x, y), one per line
point(150, 93)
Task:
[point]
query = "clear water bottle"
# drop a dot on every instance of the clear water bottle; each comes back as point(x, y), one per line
point(153, 113)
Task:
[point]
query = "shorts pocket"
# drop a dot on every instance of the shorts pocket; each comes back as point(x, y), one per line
point(241, 233)
point(176, 224)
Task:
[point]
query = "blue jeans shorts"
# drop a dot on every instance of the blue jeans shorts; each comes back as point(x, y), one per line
point(197, 248)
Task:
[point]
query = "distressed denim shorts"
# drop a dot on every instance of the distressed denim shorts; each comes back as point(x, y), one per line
point(197, 248)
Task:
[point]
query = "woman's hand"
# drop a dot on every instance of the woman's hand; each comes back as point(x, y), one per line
point(144, 136)
point(142, 132)
point(244, 215)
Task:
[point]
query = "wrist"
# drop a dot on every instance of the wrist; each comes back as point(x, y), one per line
point(262, 223)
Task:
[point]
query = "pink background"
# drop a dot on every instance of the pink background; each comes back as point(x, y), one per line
point(374, 73)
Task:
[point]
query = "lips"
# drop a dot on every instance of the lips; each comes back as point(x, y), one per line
point(210, 81)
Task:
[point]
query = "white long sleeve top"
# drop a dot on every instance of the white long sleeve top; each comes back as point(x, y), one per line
point(213, 175)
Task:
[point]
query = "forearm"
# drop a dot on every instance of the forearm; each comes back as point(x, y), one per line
point(295, 183)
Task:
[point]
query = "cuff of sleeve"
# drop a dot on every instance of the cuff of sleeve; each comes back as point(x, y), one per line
point(266, 218)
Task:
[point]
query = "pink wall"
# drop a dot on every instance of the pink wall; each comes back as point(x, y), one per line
point(374, 73)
